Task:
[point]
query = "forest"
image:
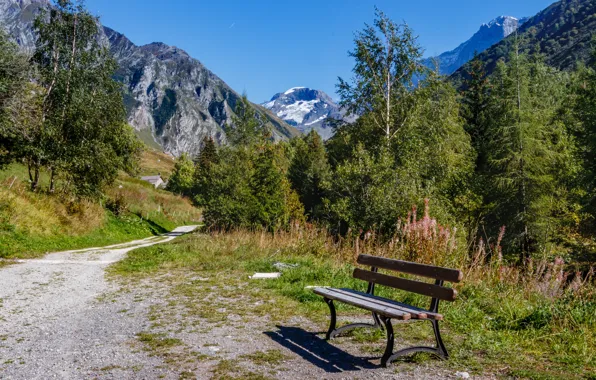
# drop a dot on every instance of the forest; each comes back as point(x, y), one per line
point(506, 156)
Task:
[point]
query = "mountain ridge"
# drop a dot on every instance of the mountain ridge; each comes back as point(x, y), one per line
point(561, 33)
point(306, 109)
point(487, 35)
point(170, 97)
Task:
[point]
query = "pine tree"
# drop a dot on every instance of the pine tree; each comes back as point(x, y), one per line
point(474, 110)
point(529, 153)
point(246, 128)
point(309, 172)
point(266, 186)
point(181, 181)
point(585, 111)
point(202, 171)
point(208, 154)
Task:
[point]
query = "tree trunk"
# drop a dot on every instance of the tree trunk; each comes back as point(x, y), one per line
point(29, 170)
point(35, 181)
point(52, 179)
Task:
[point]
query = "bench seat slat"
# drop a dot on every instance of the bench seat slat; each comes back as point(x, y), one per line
point(388, 311)
point(431, 290)
point(430, 271)
point(416, 312)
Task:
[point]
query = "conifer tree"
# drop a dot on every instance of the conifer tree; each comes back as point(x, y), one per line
point(585, 111)
point(309, 172)
point(208, 154)
point(246, 128)
point(182, 179)
point(202, 171)
point(529, 153)
point(474, 110)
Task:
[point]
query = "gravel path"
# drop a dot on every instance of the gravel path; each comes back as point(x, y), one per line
point(61, 318)
point(54, 324)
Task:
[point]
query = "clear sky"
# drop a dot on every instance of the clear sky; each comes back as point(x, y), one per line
point(265, 46)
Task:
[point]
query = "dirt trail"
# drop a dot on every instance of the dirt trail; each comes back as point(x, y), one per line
point(52, 324)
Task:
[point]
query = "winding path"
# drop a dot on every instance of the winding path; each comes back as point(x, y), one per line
point(52, 324)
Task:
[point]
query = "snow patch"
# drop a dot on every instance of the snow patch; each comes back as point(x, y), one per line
point(292, 90)
point(297, 111)
point(269, 105)
point(316, 121)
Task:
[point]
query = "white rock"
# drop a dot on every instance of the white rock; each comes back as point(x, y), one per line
point(462, 375)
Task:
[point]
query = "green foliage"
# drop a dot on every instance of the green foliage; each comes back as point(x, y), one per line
point(367, 193)
point(387, 59)
point(246, 128)
point(530, 154)
point(475, 104)
point(309, 173)
point(181, 180)
point(585, 113)
point(247, 187)
point(80, 125)
point(408, 142)
point(14, 70)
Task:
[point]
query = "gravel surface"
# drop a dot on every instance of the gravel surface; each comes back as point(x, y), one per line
point(54, 324)
point(61, 318)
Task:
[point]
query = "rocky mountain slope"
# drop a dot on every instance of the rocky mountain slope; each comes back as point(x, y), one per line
point(488, 35)
point(562, 33)
point(305, 109)
point(171, 98)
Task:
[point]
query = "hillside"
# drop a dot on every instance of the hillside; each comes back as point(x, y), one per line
point(35, 223)
point(171, 98)
point(561, 33)
point(488, 35)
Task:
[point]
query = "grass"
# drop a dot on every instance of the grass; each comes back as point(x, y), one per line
point(154, 162)
point(271, 357)
point(32, 224)
point(158, 341)
point(501, 324)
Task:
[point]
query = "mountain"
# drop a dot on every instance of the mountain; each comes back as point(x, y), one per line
point(171, 99)
point(561, 33)
point(488, 35)
point(305, 109)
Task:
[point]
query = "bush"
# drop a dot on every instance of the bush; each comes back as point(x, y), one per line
point(117, 205)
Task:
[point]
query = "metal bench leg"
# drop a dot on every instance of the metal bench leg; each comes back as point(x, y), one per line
point(387, 356)
point(333, 331)
point(441, 350)
point(333, 321)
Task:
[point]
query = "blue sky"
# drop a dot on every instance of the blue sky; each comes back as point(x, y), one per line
point(264, 46)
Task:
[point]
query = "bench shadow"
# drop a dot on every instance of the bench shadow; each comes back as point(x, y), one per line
point(318, 351)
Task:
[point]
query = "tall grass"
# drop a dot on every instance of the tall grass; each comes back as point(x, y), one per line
point(32, 223)
point(537, 321)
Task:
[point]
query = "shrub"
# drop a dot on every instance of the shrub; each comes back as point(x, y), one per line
point(117, 205)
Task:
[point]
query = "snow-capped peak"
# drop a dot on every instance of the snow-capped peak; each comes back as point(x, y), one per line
point(293, 89)
point(305, 109)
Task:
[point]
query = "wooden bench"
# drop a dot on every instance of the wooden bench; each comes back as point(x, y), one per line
point(384, 310)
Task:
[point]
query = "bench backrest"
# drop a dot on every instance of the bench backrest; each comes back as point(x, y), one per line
point(436, 290)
